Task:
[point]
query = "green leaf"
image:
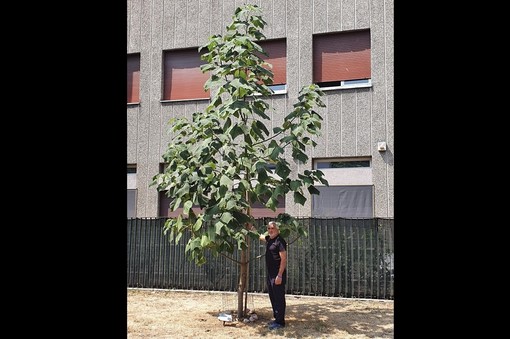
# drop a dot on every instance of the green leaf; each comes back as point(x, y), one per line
point(226, 217)
point(276, 152)
point(225, 181)
point(313, 190)
point(219, 226)
point(197, 225)
point(262, 175)
point(299, 198)
point(295, 185)
point(187, 205)
point(205, 241)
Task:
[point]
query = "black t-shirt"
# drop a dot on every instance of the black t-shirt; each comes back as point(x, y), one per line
point(273, 259)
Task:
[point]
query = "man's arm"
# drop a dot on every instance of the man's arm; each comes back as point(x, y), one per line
point(283, 263)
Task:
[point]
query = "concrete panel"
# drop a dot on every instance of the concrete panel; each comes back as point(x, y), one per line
point(348, 14)
point(204, 21)
point(229, 7)
point(305, 210)
point(348, 139)
point(192, 19)
point(155, 126)
point(129, 27)
point(380, 177)
point(362, 14)
point(305, 41)
point(322, 145)
point(363, 121)
point(293, 68)
point(269, 16)
point(334, 129)
point(378, 75)
point(277, 112)
point(290, 207)
point(334, 15)
point(189, 109)
point(166, 135)
point(135, 16)
point(180, 39)
point(389, 71)
point(152, 191)
point(201, 105)
point(168, 24)
point(132, 133)
point(216, 17)
point(382, 105)
point(144, 114)
point(156, 61)
point(320, 16)
point(280, 19)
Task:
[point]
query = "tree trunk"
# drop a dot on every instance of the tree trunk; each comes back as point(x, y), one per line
point(242, 283)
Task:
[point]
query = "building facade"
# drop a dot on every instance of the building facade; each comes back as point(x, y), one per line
point(345, 46)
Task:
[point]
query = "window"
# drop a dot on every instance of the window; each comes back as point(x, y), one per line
point(164, 202)
point(277, 57)
point(183, 79)
point(131, 191)
point(342, 164)
point(164, 207)
point(258, 209)
point(133, 78)
point(342, 59)
point(350, 191)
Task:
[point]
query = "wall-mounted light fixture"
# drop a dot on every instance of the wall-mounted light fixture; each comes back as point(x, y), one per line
point(381, 146)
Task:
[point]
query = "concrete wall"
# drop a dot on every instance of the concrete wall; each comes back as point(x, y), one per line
point(355, 120)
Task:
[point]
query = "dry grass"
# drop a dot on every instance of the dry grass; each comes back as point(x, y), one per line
point(187, 314)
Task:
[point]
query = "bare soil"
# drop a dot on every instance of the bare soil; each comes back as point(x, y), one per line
point(194, 314)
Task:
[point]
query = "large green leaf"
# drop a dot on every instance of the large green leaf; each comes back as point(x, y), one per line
point(299, 198)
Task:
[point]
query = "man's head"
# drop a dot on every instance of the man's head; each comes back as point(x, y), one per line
point(272, 229)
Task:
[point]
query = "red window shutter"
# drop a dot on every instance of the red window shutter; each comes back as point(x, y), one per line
point(183, 78)
point(341, 56)
point(133, 78)
point(164, 207)
point(258, 210)
point(277, 51)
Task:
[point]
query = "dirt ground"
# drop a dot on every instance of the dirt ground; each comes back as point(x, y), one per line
point(194, 314)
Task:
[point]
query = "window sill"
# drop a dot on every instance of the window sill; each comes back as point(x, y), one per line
point(348, 85)
point(133, 103)
point(165, 101)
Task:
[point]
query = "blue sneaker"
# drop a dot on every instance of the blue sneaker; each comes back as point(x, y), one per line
point(275, 326)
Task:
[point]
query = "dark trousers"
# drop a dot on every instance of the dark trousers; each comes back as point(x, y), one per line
point(277, 297)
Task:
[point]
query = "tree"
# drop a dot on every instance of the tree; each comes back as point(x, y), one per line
point(221, 161)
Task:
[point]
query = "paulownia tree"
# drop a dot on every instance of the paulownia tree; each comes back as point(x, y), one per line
point(222, 160)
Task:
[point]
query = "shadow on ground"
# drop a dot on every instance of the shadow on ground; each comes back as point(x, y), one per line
point(312, 320)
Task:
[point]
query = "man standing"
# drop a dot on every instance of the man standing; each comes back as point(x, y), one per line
point(276, 262)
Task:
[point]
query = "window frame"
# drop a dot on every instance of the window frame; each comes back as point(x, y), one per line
point(132, 187)
point(133, 78)
point(345, 179)
point(354, 38)
point(184, 57)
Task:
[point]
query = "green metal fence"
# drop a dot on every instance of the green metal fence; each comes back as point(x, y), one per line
point(340, 257)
